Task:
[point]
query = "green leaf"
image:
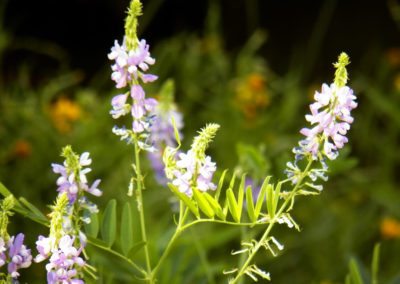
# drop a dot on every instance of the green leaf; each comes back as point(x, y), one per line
point(203, 203)
point(232, 182)
point(176, 133)
point(348, 279)
point(188, 202)
point(98, 243)
point(250, 204)
point(241, 195)
point(225, 208)
point(375, 264)
point(126, 228)
point(4, 191)
point(28, 210)
point(32, 208)
point(276, 196)
point(135, 249)
point(215, 205)
point(355, 274)
point(232, 204)
point(220, 184)
point(270, 200)
point(92, 229)
point(109, 225)
point(261, 196)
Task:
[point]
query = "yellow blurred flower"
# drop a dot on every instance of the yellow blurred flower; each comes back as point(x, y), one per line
point(390, 228)
point(251, 95)
point(63, 113)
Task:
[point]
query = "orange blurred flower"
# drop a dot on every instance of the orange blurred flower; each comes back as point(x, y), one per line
point(22, 149)
point(396, 82)
point(63, 113)
point(393, 56)
point(390, 228)
point(251, 95)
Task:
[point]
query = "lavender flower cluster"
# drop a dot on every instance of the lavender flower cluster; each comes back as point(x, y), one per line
point(330, 113)
point(16, 254)
point(193, 173)
point(330, 119)
point(74, 181)
point(64, 261)
point(65, 242)
point(128, 68)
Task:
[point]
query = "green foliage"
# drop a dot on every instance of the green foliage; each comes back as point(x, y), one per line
point(92, 228)
point(109, 224)
point(126, 229)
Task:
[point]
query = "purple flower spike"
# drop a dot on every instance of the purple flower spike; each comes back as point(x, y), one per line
point(330, 116)
point(20, 256)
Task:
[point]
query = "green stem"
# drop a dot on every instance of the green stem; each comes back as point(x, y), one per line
point(140, 207)
point(183, 212)
point(134, 265)
point(271, 225)
point(242, 257)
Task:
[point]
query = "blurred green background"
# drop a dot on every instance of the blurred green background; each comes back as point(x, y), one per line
point(250, 65)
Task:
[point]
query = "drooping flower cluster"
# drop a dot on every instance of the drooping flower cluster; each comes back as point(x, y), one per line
point(331, 119)
point(131, 60)
point(194, 169)
point(16, 254)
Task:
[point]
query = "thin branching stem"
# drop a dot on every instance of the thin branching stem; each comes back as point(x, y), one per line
point(264, 237)
point(117, 254)
point(182, 217)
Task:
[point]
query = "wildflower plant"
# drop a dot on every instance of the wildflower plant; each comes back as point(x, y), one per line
point(190, 175)
point(66, 240)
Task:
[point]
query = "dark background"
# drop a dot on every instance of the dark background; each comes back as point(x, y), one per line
point(85, 29)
